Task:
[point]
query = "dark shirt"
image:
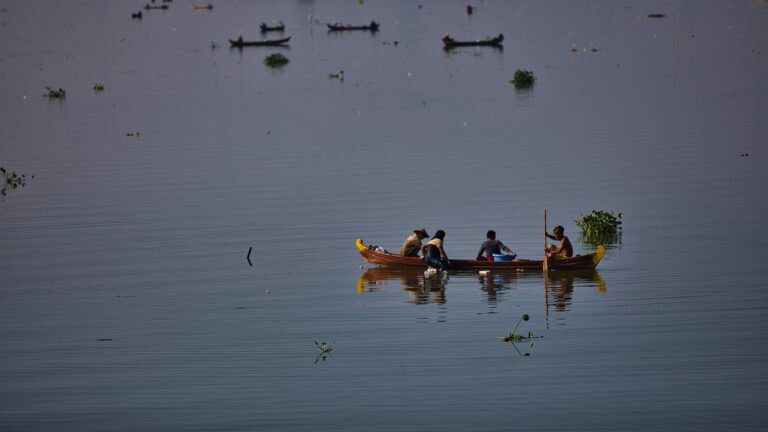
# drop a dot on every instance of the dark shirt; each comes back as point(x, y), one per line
point(490, 247)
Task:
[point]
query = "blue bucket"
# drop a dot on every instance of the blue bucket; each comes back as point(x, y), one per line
point(503, 257)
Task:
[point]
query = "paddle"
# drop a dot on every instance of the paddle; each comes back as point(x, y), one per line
point(546, 266)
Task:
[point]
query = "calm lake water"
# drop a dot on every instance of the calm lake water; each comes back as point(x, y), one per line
point(127, 302)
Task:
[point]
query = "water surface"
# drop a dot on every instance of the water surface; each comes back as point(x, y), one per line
point(127, 303)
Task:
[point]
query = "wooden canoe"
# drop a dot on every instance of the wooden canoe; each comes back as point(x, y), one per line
point(208, 6)
point(239, 43)
point(579, 262)
point(496, 41)
point(373, 26)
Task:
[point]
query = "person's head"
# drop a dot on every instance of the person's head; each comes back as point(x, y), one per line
point(491, 235)
point(421, 233)
point(558, 230)
point(439, 234)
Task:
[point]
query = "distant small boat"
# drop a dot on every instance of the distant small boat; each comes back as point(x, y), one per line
point(239, 43)
point(151, 6)
point(276, 28)
point(496, 41)
point(136, 15)
point(208, 6)
point(373, 26)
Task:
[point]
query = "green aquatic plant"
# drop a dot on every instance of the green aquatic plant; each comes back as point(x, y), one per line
point(514, 337)
point(523, 79)
point(324, 347)
point(600, 226)
point(276, 60)
point(55, 94)
point(11, 180)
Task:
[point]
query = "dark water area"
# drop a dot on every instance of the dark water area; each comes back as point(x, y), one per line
point(127, 302)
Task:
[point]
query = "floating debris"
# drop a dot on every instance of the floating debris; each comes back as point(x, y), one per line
point(248, 257)
point(132, 134)
point(138, 15)
point(339, 76)
point(98, 87)
point(656, 15)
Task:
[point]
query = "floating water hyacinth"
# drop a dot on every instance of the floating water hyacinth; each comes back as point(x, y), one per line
point(276, 60)
point(600, 226)
point(523, 79)
point(514, 337)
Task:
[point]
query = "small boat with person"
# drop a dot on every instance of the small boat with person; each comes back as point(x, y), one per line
point(450, 42)
point(335, 26)
point(279, 27)
point(239, 42)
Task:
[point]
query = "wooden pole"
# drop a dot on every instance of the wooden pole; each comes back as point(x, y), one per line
point(546, 266)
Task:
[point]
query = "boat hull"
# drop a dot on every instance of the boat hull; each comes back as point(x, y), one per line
point(273, 42)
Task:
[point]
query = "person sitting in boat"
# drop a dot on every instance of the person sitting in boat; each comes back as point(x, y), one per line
point(447, 39)
point(412, 244)
point(434, 253)
point(492, 246)
point(240, 39)
point(565, 249)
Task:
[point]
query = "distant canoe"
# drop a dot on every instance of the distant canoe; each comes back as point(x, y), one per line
point(155, 7)
point(496, 41)
point(276, 28)
point(208, 6)
point(373, 26)
point(239, 43)
point(580, 262)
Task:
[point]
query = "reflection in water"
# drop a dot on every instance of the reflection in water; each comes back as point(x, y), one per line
point(558, 287)
point(424, 288)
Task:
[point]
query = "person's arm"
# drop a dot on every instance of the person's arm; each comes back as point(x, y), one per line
point(442, 252)
point(550, 236)
point(482, 249)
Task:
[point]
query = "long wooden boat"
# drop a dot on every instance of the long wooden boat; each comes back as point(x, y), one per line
point(449, 42)
point(588, 261)
point(239, 43)
point(373, 26)
point(268, 28)
point(155, 7)
point(199, 6)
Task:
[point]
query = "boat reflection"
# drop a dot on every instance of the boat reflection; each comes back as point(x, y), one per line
point(424, 288)
point(559, 285)
point(427, 288)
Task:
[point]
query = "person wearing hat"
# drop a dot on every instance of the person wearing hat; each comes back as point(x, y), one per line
point(412, 244)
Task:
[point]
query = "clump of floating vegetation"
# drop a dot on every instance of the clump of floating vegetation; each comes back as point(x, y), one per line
point(324, 347)
point(600, 226)
point(514, 337)
point(656, 15)
point(325, 351)
point(523, 79)
point(98, 87)
point(276, 60)
point(55, 94)
point(11, 180)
